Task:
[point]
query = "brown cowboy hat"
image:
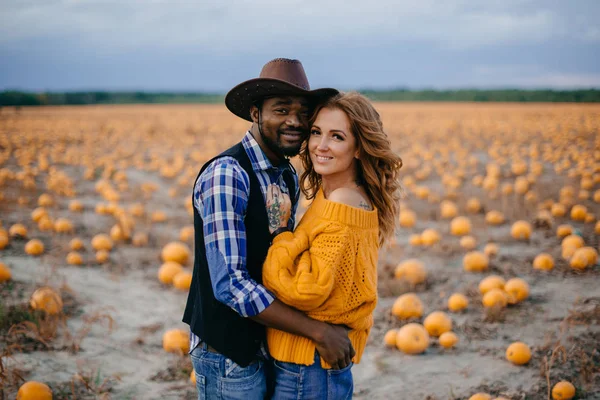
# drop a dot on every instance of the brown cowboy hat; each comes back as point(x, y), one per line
point(279, 77)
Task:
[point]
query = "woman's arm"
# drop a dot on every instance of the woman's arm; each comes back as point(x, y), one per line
point(302, 274)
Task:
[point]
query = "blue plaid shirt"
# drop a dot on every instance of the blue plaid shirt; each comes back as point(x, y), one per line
point(221, 198)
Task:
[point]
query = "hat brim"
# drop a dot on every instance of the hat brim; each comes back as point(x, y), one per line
point(240, 99)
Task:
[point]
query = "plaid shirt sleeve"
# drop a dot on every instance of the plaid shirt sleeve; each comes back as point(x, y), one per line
point(221, 198)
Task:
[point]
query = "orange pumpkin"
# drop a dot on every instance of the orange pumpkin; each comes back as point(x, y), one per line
point(412, 271)
point(437, 323)
point(412, 339)
point(458, 302)
point(18, 231)
point(448, 340)
point(389, 339)
point(5, 273)
point(33, 390)
point(34, 247)
point(521, 230)
point(491, 282)
point(176, 341)
point(495, 298)
point(407, 306)
point(429, 237)
point(182, 280)
point(167, 271)
point(176, 251)
point(563, 390)
point(543, 262)
point(517, 290)
point(518, 353)
point(407, 218)
point(475, 261)
point(46, 299)
point(460, 226)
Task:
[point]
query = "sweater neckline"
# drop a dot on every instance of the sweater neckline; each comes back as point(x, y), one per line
point(345, 213)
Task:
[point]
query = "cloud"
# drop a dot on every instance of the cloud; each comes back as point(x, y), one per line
point(237, 24)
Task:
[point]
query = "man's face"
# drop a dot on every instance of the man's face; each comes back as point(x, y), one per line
point(284, 125)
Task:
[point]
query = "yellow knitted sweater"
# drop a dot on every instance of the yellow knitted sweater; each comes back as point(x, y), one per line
point(327, 268)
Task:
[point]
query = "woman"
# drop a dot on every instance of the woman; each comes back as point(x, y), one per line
point(327, 267)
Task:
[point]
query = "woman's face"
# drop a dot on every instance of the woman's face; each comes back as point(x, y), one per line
point(332, 146)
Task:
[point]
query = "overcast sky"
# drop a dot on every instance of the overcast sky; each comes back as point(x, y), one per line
point(211, 45)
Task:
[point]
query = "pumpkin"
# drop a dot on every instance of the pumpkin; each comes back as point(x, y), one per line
point(572, 241)
point(437, 323)
point(412, 339)
point(521, 185)
point(543, 262)
point(495, 298)
point(563, 390)
point(491, 282)
point(480, 396)
point(63, 225)
point(389, 339)
point(494, 217)
point(412, 271)
point(140, 239)
point(176, 341)
point(46, 223)
point(475, 261)
point(590, 253)
point(448, 340)
point(517, 290)
point(76, 244)
point(75, 206)
point(597, 228)
point(176, 251)
point(158, 216)
point(18, 231)
point(5, 274)
point(74, 258)
point(186, 233)
point(430, 236)
point(457, 302)
point(45, 200)
point(137, 210)
point(518, 353)
point(167, 271)
point(102, 256)
point(102, 242)
point(3, 239)
point(182, 280)
point(193, 377)
point(407, 218)
point(521, 230)
point(38, 213)
point(46, 299)
point(506, 189)
point(491, 249)
point(564, 230)
point(468, 242)
point(34, 247)
point(578, 212)
point(473, 205)
point(415, 240)
point(460, 226)
point(448, 209)
point(589, 218)
point(558, 210)
point(33, 390)
point(407, 306)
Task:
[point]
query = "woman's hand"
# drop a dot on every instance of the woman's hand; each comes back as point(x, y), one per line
point(279, 208)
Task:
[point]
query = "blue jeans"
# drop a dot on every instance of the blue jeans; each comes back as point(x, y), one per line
point(294, 381)
point(218, 377)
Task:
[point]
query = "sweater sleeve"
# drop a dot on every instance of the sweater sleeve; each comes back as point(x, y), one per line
point(302, 274)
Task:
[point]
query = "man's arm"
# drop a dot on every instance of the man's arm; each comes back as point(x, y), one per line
point(221, 197)
point(332, 341)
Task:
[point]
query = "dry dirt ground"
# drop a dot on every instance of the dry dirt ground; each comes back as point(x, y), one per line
point(108, 342)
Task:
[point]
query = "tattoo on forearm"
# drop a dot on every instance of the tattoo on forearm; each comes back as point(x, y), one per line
point(274, 213)
point(364, 205)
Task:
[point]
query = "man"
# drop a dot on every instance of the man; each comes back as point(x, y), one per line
point(227, 307)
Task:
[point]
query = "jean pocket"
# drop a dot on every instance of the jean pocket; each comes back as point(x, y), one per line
point(340, 383)
point(288, 368)
point(244, 382)
point(201, 386)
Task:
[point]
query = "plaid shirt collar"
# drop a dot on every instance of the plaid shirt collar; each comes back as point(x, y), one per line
point(257, 156)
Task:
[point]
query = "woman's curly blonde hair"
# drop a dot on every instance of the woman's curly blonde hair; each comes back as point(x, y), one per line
point(378, 166)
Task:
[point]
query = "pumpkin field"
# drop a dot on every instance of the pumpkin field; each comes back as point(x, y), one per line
point(489, 290)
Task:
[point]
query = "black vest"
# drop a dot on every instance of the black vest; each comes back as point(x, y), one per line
point(236, 337)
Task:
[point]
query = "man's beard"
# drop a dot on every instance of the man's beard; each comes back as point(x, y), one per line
point(275, 145)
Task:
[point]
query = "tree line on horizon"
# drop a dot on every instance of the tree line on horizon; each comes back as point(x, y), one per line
point(19, 98)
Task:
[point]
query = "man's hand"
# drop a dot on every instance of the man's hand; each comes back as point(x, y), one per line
point(335, 347)
point(279, 208)
point(331, 341)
